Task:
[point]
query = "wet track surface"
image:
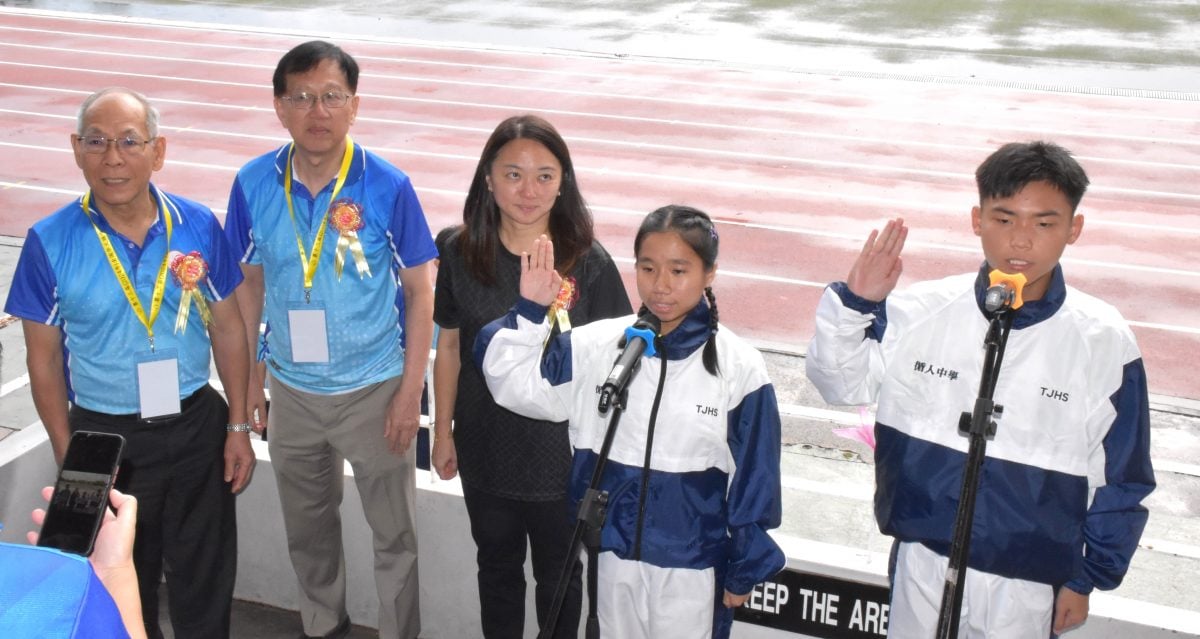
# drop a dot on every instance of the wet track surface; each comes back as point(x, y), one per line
point(799, 127)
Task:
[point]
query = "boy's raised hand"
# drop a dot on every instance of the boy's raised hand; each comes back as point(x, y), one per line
point(539, 281)
point(878, 266)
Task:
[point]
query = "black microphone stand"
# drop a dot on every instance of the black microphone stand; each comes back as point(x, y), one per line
point(592, 510)
point(978, 427)
point(593, 507)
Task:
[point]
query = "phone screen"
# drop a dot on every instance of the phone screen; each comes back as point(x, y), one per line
point(81, 492)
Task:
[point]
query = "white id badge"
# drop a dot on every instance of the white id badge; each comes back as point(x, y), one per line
point(310, 341)
point(158, 383)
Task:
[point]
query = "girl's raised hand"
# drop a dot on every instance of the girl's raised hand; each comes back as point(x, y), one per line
point(539, 281)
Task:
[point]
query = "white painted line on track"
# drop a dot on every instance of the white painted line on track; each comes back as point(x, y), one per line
point(1175, 548)
point(512, 50)
point(989, 127)
point(39, 188)
point(569, 74)
point(741, 128)
point(1175, 328)
point(843, 489)
point(1154, 228)
point(758, 277)
point(821, 414)
point(678, 123)
point(1179, 468)
point(14, 384)
point(890, 203)
point(855, 238)
point(51, 67)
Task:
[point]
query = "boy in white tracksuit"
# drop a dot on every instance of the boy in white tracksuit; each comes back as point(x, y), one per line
point(1059, 505)
point(693, 473)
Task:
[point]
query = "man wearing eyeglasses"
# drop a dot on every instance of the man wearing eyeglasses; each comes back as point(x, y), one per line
point(132, 287)
point(326, 231)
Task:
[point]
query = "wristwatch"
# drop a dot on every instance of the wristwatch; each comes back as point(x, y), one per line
point(243, 427)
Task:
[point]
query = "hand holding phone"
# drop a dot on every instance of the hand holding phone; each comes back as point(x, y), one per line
point(80, 499)
point(113, 556)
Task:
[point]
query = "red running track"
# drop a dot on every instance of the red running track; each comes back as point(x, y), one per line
point(796, 167)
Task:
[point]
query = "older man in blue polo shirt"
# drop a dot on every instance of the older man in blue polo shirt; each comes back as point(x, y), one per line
point(131, 286)
point(328, 230)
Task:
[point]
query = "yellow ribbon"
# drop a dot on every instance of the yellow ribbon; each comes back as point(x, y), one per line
point(309, 264)
point(160, 282)
point(188, 296)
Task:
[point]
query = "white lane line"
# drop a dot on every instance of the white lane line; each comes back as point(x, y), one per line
point(666, 123)
point(1176, 467)
point(1165, 327)
point(14, 384)
point(1189, 551)
point(845, 489)
point(822, 414)
point(890, 203)
point(1153, 228)
point(564, 73)
point(757, 277)
point(131, 74)
point(989, 127)
point(509, 50)
point(850, 237)
point(881, 201)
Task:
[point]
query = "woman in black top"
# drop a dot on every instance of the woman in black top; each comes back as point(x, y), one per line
point(514, 476)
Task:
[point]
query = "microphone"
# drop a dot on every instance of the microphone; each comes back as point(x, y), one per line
point(639, 339)
point(1004, 291)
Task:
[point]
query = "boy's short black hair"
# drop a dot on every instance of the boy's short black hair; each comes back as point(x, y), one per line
point(305, 57)
point(1016, 164)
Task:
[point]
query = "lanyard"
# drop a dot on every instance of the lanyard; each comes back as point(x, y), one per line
point(160, 282)
point(309, 264)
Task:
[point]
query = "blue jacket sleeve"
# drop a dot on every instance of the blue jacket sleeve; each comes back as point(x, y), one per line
point(755, 495)
point(1117, 517)
point(520, 376)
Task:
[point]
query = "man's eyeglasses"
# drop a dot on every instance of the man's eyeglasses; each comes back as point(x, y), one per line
point(127, 145)
point(305, 101)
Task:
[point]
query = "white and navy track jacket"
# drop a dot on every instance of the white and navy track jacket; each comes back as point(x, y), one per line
point(708, 491)
point(1060, 493)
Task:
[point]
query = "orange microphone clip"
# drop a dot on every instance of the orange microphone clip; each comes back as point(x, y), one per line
point(1012, 283)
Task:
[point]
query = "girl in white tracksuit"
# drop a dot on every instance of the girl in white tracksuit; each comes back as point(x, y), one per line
point(693, 473)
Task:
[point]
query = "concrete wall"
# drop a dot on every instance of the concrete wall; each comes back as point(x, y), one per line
point(449, 603)
point(26, 466)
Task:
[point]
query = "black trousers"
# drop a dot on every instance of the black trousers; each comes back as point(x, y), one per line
point(501, 528)
point(187, 526)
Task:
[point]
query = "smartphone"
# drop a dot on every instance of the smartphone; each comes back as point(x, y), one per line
point(81, 493)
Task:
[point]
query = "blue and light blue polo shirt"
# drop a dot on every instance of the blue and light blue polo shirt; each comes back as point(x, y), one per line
point(63, 279)
point(363, 324)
